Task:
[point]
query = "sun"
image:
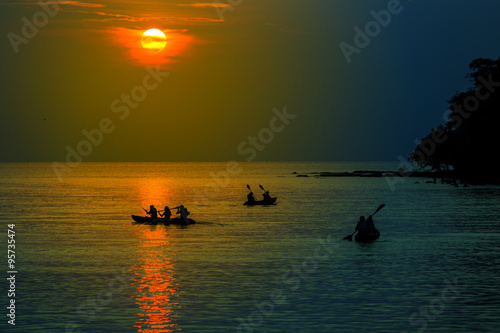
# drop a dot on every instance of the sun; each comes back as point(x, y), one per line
point(154, 40)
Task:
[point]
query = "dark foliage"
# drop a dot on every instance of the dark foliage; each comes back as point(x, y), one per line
point(468, 143)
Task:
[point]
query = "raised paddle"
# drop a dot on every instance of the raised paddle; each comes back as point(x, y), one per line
point(264, 193)
point(378, 209)
point(349, 237)
point(248, 186)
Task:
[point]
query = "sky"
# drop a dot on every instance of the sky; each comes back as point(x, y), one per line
point(237, 80)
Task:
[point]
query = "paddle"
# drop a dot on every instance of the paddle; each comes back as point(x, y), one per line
point(268, 197)
point(159, 211)
point(349, 237)
point(248, 186)
point(378, 209)
point(146, 211)
point(169, 208)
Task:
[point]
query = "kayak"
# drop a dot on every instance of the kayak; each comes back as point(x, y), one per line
point(149, 220)
point(262, 202)
point(375, 234)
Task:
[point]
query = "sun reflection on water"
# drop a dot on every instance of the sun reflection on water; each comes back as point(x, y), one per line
point(157, 292)
point(155, 192)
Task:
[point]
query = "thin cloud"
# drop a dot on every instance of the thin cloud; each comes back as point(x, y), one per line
point(78, 4)
point(62, 2)
point(94, 12)
point(109, 17)
point(201, 19)
point(205, 4)
point(122, 17)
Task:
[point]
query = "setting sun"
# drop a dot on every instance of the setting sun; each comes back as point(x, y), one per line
point(154, 40)
point(155, 47)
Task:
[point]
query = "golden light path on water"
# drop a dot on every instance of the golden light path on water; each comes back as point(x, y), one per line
point(157, 192)
point(157, 291)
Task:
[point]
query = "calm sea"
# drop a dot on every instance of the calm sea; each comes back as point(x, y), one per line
point(83, 266)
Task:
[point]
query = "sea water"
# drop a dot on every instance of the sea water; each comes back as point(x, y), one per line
point(82, 265)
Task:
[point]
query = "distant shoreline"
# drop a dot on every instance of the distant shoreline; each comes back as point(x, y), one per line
point(445, 177)
point(448, 177)
point(371, 173)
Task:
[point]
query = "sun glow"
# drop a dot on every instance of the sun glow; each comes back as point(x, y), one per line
point(153, 46)
point(154, 40)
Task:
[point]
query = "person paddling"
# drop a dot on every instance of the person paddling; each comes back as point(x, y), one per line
point(184, 213)
point(361, 226)
point(266, 196)
point(365, 227)
point(166, 214)
point(369, 223)
point(152, 212)
point(251, 197)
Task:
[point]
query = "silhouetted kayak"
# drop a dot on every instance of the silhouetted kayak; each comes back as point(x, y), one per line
point(262, 202)
point(149, 220)
point(367, 237)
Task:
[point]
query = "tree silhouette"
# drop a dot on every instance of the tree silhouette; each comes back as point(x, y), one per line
point(468, 142)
